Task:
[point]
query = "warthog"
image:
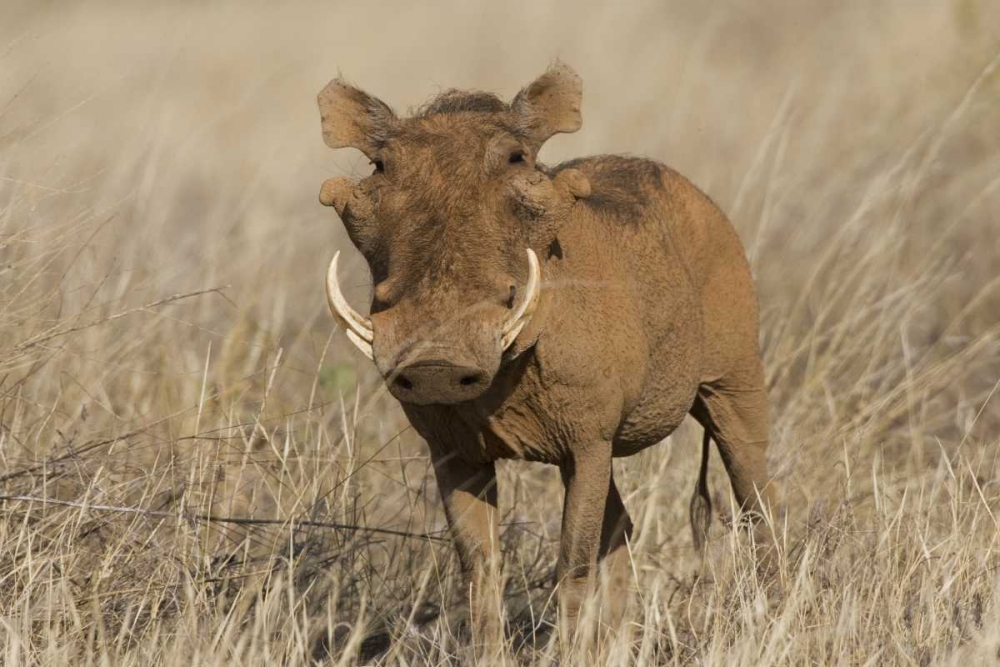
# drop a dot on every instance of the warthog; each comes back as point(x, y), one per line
point(565, 314)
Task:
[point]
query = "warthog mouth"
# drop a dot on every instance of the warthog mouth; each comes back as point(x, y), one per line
point(359, 328)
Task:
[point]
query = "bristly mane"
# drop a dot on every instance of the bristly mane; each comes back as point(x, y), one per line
point(459, 101)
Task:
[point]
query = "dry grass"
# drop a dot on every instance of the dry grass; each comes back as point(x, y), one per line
point(149, 155)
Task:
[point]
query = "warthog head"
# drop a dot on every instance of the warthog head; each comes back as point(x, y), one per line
point(452, 221)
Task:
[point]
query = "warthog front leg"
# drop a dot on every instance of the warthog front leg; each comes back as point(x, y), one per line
point(469, 493)
point(595, 525)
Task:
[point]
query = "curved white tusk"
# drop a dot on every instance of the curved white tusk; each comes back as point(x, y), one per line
point(520, 317)
point(361, 344)
point(357, 326)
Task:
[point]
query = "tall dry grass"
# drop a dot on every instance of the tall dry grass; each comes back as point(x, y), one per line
point(197, 469)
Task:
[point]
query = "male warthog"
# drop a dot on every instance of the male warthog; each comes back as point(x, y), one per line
point(565, 314)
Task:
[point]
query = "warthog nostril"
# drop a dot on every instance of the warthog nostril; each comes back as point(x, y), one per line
point(512, 299)
point(403, 382)
point(474, 378)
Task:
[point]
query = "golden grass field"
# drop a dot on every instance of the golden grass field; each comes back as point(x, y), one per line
point(168, 364)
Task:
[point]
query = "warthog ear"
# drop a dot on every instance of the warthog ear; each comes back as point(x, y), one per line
point(353, 118)
point(551, 103)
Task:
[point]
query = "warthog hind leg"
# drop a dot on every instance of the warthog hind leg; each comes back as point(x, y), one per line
point(734, 412)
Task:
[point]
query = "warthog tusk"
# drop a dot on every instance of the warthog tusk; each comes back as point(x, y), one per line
point(526, 308)
point(357, 326)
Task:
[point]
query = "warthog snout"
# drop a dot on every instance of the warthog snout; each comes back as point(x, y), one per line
point(434, 380)
point(431, 353)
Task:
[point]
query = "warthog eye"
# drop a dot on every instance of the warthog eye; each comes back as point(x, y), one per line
point(379, 166)
point(516, 157)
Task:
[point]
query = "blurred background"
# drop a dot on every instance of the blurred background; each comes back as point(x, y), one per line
point(157, 150)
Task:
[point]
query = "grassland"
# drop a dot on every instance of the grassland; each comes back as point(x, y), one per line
point(198, 469)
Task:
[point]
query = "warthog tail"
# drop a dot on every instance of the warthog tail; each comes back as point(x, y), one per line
point(701, 503)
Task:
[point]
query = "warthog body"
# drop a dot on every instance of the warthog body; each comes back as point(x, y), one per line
point(646, 312)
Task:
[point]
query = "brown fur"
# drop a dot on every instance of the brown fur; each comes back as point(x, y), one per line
point(647, 312)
